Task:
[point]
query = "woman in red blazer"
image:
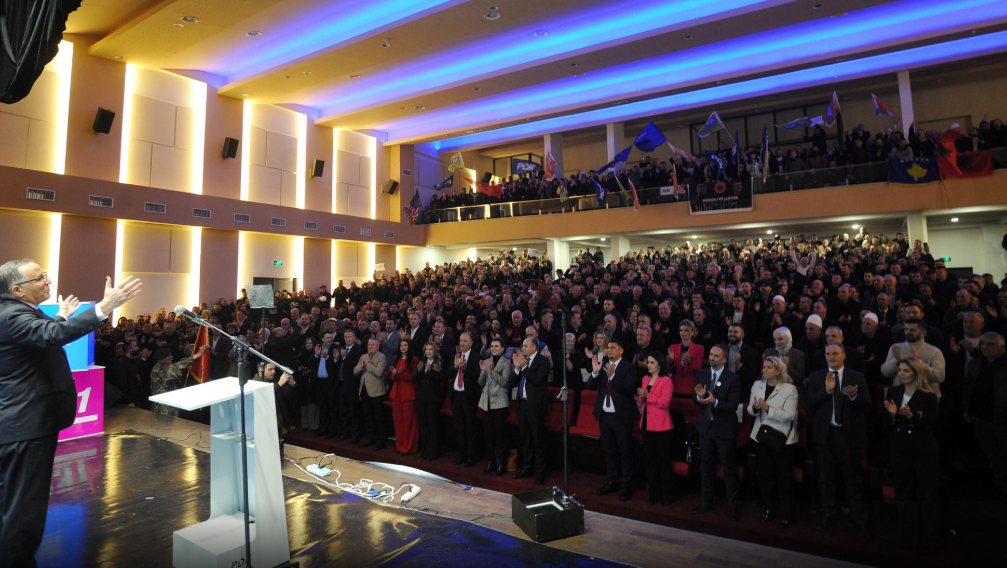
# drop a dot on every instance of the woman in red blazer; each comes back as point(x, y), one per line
point(403, 397)
point(654, 399)
point(685, 366)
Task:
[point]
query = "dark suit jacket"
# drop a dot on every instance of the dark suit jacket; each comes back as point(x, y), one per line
point(470, 378)
point(37, 394)
point(850, 412)
point(429, 384)
point(349, 363)
point(913, 435)
point(536, 384)
point(624, 386)
point(725, 413)
point(750, 370)
point(219, 364)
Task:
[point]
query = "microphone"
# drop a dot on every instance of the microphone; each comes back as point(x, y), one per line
point(181, 311)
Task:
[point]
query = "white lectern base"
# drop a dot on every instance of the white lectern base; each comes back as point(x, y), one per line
point(216, 543)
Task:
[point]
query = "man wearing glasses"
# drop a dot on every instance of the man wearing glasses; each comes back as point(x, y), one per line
point(38, 397)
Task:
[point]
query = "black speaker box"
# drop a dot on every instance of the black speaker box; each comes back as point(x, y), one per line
point(487, 177)
point(390, 187)
point(547, 514)
point(317, 168)
point(103, 121)
point(230, 148)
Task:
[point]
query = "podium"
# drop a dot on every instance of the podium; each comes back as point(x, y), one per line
point(219, 542)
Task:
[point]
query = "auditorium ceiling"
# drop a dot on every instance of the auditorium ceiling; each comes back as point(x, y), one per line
point(472, 74)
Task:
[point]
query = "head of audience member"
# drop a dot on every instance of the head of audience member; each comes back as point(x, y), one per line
point(813, 327)
point(835, 356)
point(774, 371)
point(916, 331)
point(717, 357)
point(913, 375)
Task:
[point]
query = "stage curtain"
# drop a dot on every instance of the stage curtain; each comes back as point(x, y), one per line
point(30, 32)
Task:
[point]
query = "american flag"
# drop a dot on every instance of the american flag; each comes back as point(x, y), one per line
point(414, 208)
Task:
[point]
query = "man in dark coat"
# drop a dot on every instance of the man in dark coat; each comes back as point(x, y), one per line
point(616, 412)
point(718, 393)
point(531, 378)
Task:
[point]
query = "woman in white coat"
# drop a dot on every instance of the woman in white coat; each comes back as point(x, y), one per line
point(774, 404)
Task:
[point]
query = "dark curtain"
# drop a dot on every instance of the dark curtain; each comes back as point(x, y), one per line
point(30, 32)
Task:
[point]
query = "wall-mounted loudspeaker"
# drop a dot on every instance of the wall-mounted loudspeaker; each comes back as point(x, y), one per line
point(317, 168)
point(103, 121)
point(390, 187)
point(230, 148)
point(487, 177)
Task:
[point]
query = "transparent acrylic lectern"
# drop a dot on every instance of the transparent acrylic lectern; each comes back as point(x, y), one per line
point(219, 542)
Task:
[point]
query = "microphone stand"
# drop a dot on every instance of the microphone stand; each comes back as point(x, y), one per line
point(564, 397)
point(243, 349)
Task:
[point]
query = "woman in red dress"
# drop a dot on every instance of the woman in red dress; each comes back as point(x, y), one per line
point(403, 397)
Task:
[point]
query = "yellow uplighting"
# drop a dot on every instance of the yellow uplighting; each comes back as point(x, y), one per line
point(192, 298)
point(335, 172)
point(241, 260)
point(120, 237)
point(298, 263)
point(64, 68)
point(373, 150)
point(127, 111)
point(302, 157)
point(197, 92)
point(246, 152)
point(55, 234)
point(370, 261)
point(332, 266)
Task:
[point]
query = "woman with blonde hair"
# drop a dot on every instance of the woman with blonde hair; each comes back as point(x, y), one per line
point(912, 409)
point(773, 403)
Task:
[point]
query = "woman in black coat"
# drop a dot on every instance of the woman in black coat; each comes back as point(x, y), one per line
point(430, 383)
point(912, 410)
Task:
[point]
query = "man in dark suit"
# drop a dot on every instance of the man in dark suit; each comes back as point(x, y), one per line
point(616, 412)
point(38, 397)
point(840, 399)
point(531, 377)
point(465, 392)
point(349, 389)
point(742, 359)
point(718, 393)
point(854, 358)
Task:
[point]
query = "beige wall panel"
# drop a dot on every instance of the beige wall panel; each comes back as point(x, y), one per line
point(161, 86)
point(387, 255)
point(185, 126)
point(41, 154)
point(342, 196)
point(138, 170)
point(222, 178)
point(41, 102)
point(97, 82)
point(181, 250)
point(346, 260)
point(281, 151)
point(218, 265)
point(317, 263)
point(25, 235)
point(263, 185)
point(260, 252)
point(363, 262)
point(14, 134)
point(353, 142)
point(257, 147)
point(171, 168)
point(318, 191)
point(275, 119)
point(347, 167)
point(159, 291)
point(147, 248)
point(288, 189)
point(86, 256)
point(358, 202)
point(365, 172)
point(152, 120)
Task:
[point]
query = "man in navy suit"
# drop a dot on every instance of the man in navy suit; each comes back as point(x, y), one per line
point(465, 392)
point(531, 377)
point(840, 399)
point(718, 393)
point(616, 412)
point(38, 397)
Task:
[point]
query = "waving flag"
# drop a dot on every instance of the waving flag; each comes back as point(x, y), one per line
point(713, 124)
point(802, 121)
point(414, 208)
point(446, 184)
point(491, 189)
point(550, 166)
point(736, 149)
point(765, 152)
point(650, 138)
point(600, 192)
point(200, 369)
point(619, 158)
point(918, 170)
point(632, 192)
point(456, 163)
point(715, 158)
point(833, 111)
point(682, 153)
point(882, 108)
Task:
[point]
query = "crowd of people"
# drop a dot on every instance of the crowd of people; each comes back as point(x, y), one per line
point(871, 341)
point(855, 148)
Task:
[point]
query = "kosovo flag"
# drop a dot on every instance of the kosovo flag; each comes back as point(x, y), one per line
point(650, 138)
point(917, 170)
point(621, 157)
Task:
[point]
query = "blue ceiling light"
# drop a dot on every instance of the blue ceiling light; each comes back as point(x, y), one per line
point(586, 29)
point(766, 51)
point(975, 46)
point(327, 24)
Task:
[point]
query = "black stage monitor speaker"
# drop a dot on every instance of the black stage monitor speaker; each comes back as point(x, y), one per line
point(103, 121)
point(230, 148)
point(487, 177)
point(547, 514)
point(390, 187)
point(317, 168)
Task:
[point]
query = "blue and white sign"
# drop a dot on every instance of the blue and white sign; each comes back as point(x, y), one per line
point(519, 166)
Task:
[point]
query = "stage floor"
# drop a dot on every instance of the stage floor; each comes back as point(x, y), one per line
point(116, 499)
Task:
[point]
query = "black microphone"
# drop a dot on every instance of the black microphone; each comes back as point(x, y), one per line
point(181, 311)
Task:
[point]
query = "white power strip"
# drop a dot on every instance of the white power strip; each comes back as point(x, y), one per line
point(411, 493)
point(319, 471)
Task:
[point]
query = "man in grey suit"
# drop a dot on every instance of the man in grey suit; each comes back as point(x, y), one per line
point(38, 397)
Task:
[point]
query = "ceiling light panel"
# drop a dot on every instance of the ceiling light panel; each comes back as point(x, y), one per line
point(906, 21)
